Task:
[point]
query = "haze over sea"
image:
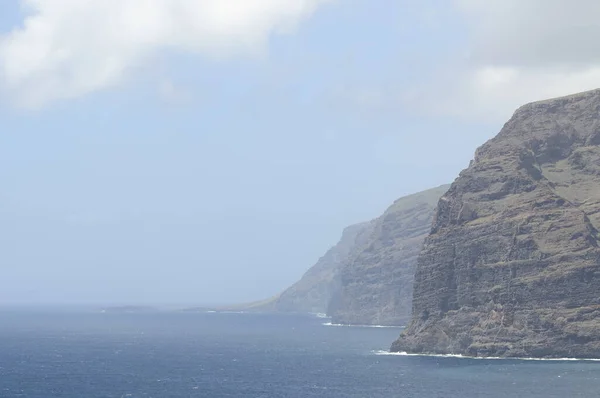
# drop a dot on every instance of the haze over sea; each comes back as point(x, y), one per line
point(47, 354)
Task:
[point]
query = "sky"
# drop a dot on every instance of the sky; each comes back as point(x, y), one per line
point(210, 151)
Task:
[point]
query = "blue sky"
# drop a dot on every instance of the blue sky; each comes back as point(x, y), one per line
point(219, 167)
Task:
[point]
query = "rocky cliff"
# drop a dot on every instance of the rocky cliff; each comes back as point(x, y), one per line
point(376, 281)
point(512, 265)
point(314, 290)
point(366, 278)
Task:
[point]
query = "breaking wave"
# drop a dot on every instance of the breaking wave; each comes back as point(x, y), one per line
point(459, 356)
point(232, 312)
point(361, 326)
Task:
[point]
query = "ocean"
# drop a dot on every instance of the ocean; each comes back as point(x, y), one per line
point(46, 354)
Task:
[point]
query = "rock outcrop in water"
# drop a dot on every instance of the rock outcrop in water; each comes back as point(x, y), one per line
point(512, 265)
point(376, 282)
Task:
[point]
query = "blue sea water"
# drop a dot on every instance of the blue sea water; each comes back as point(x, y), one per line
point(78, 354)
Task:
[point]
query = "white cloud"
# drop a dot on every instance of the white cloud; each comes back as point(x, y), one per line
point(492, 93)
point(68, 48)
point(533, 33)
point(518, 51)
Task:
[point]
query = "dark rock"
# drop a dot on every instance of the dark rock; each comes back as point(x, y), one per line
point(512, 266)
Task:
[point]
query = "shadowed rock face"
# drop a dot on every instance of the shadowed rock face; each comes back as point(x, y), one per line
point(512, 266)
point(376, 281)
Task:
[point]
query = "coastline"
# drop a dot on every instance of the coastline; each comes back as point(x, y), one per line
point(361, 326)
point(459, 356)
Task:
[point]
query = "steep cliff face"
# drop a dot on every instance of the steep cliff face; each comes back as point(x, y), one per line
point(512, 266)
point(314, 290)
point(376, 281)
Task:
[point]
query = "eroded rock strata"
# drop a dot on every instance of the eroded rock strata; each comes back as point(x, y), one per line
point(512, 265)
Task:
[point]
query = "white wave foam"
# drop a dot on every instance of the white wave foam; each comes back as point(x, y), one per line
point(321, 315)
point(459, 356)
point(361, 326)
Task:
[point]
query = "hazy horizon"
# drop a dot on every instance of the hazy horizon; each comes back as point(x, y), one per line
point(200, 154)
